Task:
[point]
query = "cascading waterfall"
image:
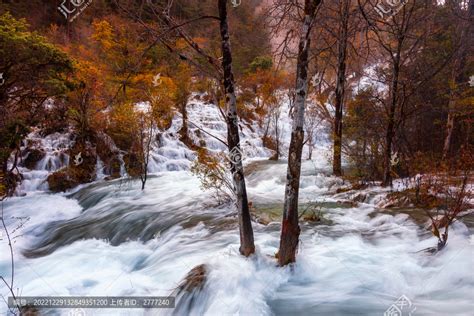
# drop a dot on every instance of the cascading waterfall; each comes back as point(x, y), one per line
point(111, 238)
point(53, 147)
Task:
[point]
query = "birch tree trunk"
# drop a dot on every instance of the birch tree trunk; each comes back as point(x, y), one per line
point(290, 229)
point(247, 246)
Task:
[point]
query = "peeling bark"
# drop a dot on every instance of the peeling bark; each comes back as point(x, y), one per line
point(247, 246)
point(290, 229)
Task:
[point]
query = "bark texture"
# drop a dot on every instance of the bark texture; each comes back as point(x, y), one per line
point(290, 229)
point(247, 246)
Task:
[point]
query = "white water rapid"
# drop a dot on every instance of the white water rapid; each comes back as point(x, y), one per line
point(109, 238)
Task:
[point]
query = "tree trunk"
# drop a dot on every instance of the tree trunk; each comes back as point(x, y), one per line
point(183, 132)
point(457, 75)
point(277, 138)
point(449, 127)
point(387, 178)
point(340, 85)
point(247, 246)
point(290, 229)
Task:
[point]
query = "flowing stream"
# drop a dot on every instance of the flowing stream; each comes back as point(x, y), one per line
point(109, 238)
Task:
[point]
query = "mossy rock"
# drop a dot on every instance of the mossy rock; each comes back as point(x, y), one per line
point(114, 167)
point(132, 164)
point(81, 169)
point(84, 158)
point(109, 156)
point(61, 181)
point(312, 217)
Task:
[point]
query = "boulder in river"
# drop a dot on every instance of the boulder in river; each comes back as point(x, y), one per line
point(189, 294)
point(81, 169)
point(33, 157)
point(194, 280)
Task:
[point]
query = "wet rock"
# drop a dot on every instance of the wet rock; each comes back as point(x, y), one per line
point(312, 217)
point(194, 280)
point(81, 169)
point(274, 157)
point(29, 310)
point(189, 294)
point(410, 198)
point(266, 213)
point(61, 181)
point(109, 154)
point(132, 164)
point(354, 186)
point(359, 197)
point(343, 189)
point(263, 219)
point(33, 157)
point(347, 204)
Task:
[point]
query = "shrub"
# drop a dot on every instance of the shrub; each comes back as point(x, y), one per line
point(213, 175)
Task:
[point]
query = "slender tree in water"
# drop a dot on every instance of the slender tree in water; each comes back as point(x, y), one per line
point(290, 229)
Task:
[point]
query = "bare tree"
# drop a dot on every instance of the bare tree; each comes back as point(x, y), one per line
point(222, 71)
point(448, 189)
point(311, 122)
point(464, 27)
point(10, 286)
point(397, 36)
point(145, 131)
point(337, 52)
point(290, 229)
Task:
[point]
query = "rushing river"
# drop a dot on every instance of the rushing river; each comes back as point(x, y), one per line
point(112, 239)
